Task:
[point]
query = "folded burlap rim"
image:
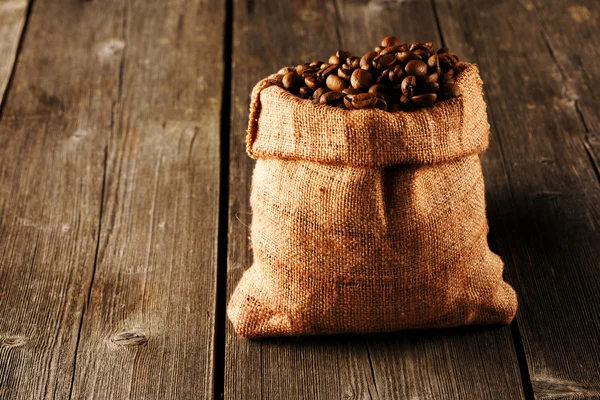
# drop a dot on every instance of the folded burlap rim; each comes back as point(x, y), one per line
point(284, 126)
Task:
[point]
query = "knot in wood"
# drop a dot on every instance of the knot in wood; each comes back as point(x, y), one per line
point(130, 338)
point(13, 341)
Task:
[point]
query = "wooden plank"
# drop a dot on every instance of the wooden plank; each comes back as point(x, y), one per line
point(52, 139)
point(13, 14)
point(148, 331)
point(543, 192)
point(463, 363)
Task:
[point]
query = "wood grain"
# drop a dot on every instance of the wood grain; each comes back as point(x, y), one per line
point(463, 363)
point(543, 192)
point(13, 14)
point(148, 329)
point(52, 140)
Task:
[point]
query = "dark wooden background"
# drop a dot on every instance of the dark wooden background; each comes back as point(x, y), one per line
point(124, 189)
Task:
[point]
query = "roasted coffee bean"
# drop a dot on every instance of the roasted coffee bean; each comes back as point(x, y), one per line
point(404, 101)
point(292, 81)
point(331, 97)
point(304, 92)
point(364, 100)
point(450, 90)
point(425, 99)
point(361, 79)
point(433, 77)
point(394, 76)
point(344, 73)
point(390, 49)
point(336, 83)
point(390, 41)
point(428, 87)
point(416, 68)
point(342, 54)
point(433, 63)
point(331, 69)
point(405, 56)
point(422, 52)
point(351, 90)
point(447, 77)
point(381, 104)
point(312, 82)
point(408, 86)
point(335, 60)
point(378, 88)
point(384, 61)
point(348, 103)
point(367, 59)
point(319, 92)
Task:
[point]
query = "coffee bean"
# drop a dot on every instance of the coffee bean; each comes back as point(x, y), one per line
point(433, 63)
point(348, 103)
point(405, 56)
point(292, 81)
point(342, 54)
point(344, 73)
point(361, 79)
point(408, 85)
point(404, 101)
point(335, 60)
point(416, 68)
point(351, 90)
point(379, 88)
point(381, 104)
point(332, 68)
point(425, 99)
point(330, 97)
point(423, 53)
point(384, 61)
point(390, 49)
point(364, 100)
point(394, 76)
point(367, 59)
point(428, 87)
point(450, 90)
point(336, 83)
point(390, 41)
point(304, 92)
point(319, 92)
point(433, 77)
point(312, 82)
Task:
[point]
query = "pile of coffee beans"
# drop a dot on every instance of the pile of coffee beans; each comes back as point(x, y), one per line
point(394, 76)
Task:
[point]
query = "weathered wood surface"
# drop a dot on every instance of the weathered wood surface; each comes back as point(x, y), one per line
point(464, 363)
point(52, 130)
point(543, 192)
point(12, 19)
point(109, 172)
point(148, 330)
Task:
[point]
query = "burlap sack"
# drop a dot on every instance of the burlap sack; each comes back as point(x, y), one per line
point(368, 221)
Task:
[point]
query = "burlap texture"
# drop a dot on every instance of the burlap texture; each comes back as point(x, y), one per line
point(368, 221)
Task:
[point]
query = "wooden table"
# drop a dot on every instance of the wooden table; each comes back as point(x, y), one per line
point(124, 190)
